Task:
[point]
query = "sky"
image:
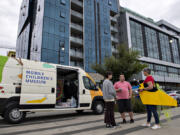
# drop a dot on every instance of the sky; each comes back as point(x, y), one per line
point(156, 9)
point(168, 10)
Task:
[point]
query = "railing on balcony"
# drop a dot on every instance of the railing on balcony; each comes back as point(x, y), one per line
point(77, 2)
point(114, 39)
point(114, 29)
point(77, 14)
point(77, 26)
point(114, 19)
point(76, 54)
point(76, 40)
point(114, 50)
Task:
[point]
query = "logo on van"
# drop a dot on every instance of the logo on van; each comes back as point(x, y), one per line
point(36, 77)
point(47, 66)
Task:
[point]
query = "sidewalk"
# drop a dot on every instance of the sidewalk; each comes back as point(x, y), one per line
point(88, 124)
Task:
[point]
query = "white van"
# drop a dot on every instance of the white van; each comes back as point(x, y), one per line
point(30, 86)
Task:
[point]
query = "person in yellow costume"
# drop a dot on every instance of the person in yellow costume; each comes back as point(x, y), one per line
point(149, 86)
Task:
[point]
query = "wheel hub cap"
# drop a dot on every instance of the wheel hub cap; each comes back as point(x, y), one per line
point(99, 108)
point(15, 114)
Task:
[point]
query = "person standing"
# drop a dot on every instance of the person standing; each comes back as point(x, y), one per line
point(109, 95)
point(149, 82)
point(124, 94)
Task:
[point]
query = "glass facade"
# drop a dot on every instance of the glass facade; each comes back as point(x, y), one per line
point(69, 32)
point(151, 43)
point(154, 44)
point(137, 37)
point(175, 50)
point(164, 71)
point(23, 42)
point(165, 47)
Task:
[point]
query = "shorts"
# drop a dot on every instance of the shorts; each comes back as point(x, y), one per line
point(124, 105)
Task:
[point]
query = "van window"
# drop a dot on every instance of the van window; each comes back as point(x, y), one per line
point(89, 84)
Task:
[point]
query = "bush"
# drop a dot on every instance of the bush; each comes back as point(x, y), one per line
point(137, 105)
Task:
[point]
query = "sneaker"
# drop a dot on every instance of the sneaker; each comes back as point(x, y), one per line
point(131, 121)
point(113, 127)
point(108, 125)
point(146, 125)
point(124, 121)
point(156, 127)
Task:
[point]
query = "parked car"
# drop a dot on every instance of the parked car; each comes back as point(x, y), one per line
point(175, 95)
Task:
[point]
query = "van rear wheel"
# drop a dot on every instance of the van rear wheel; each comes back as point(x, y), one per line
point(12, 113)
point(98, 107)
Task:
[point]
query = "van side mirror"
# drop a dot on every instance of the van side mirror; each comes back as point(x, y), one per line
point(96, 88)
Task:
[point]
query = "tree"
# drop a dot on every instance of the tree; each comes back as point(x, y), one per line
point(125, 61)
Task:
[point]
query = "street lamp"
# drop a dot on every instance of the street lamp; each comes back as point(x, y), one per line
point(171, 41)
point(171, 38)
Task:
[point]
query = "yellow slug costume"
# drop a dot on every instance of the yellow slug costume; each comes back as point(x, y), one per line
point(156, 98)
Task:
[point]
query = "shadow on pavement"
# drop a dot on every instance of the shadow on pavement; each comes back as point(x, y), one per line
point(45, 119)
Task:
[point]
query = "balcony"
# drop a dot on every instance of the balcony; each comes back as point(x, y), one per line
point(114, 29)
point(113, 19)
point(76, 41)
point(77, 2)
point(114, 50)
point(76, 14)
point(76, 54)
point(115, 40)
point(77, 27)
point(77, 64)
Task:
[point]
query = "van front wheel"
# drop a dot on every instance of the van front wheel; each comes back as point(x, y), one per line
point(98, 107)
point(12, 114)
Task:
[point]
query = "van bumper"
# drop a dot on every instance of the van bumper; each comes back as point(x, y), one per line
point(2, 104)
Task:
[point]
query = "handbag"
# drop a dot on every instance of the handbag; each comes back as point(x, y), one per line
point(154, 87)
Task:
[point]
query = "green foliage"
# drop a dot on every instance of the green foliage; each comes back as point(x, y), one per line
point(125, 61)
point(137, 105)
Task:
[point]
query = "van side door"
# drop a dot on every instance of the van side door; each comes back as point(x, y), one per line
point(38, 85)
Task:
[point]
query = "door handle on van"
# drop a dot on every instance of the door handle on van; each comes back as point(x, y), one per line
point(84, 91)
point(52, 90)
point(16, 83)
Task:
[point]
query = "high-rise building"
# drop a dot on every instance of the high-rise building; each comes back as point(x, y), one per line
point(158, 44)
point(69, 32)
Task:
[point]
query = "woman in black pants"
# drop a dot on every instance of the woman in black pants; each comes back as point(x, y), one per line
point(149, 82)
point(109, 95)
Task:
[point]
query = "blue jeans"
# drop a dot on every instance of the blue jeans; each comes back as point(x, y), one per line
point(152, 109)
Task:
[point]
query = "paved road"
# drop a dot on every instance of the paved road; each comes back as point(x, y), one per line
point(68, 123)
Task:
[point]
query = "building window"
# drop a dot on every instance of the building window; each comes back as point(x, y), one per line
point(109, 2)
point(61, 59)
point(61, 44)
point(175, 50)
point(105, 31)
point(62, 14)
point(39, 8)
point(61, 28)
point(137, 37)
point(165, 47)
point(173, 72)
point(161, 70)
point(152, 44)
point(63, 2)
